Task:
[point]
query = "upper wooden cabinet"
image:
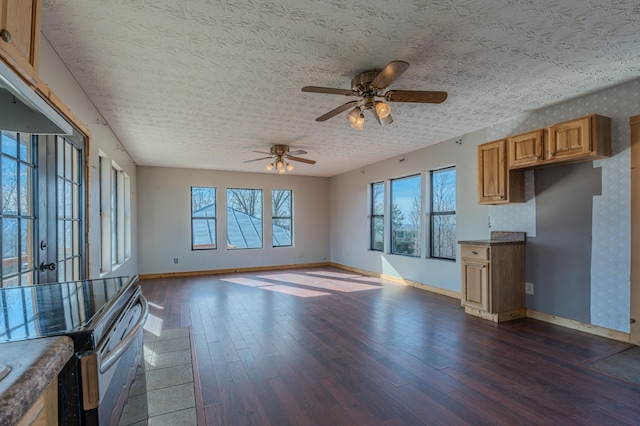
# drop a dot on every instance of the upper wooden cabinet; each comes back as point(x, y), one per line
point(582, 139)
point(526, 149)
point(496, 184)
point(585, 138)
point(20, 36)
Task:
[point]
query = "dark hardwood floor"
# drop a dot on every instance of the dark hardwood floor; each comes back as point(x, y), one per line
point(330, 347)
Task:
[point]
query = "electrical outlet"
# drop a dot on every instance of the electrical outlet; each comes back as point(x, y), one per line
point(175, 260)
point(528, 288)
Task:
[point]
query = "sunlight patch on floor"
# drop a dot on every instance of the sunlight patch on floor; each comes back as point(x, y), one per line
point(322, 283)
point(247, 281)
point(295, 291)
point(153, 324)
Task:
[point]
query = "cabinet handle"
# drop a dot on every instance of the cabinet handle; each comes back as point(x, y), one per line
point(483, 266)
point(5, 35)
point(474, 252)
point(537, 157)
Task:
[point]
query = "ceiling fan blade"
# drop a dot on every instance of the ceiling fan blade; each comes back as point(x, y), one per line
point(329, 90)
point(388, 75)
point(415, 96)
point(263, 152)
point(257, 159)
point(336, 111)
point(298, 152)
point(302, 160)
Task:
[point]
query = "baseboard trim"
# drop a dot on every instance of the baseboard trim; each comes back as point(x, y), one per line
point(399, 280)
point(232, 270)
point(580, 326)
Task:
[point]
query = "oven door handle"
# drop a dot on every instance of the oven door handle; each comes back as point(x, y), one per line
point(121, 347)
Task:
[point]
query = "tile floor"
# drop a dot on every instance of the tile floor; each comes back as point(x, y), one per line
point(163, 391)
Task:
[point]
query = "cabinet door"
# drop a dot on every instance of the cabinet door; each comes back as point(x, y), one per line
point(569, 140)
point(492, 169)
point(20, 41)
point(525, 150)
point(475, 280)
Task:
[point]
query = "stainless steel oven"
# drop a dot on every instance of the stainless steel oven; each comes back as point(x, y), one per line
point(105, 319)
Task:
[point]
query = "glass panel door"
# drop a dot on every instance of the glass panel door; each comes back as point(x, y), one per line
point(69, 223)
point(41, 209)
point(17, 212)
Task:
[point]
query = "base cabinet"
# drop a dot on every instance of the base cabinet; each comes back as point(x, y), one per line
point(44, 411)
point(476, 284)
point(493, 281)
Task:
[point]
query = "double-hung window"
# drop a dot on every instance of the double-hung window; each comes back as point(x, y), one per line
point(115, 214)
point(203, 218)
point(406, 207)
point(282, 217)
point(443, 213)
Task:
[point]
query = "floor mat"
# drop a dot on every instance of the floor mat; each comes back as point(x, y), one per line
point(624, 365)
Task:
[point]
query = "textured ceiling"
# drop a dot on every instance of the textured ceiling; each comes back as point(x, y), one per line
point(203, 83)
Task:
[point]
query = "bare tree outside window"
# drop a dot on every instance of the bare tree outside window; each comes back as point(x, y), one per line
point(16, 212)
point(244, 218)
point(406, 200)
point(443, 213)
point(377, 216)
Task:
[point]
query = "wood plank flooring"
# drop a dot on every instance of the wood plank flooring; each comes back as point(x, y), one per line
point(324, 346)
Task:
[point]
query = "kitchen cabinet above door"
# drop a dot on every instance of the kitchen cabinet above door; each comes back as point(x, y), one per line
point(20, 36)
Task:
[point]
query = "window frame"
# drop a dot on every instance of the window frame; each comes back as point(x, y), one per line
point(277, 218)
point(418, 237)
point(207, 218)
point(440, 213)
point(115, 215)
point(373, 217)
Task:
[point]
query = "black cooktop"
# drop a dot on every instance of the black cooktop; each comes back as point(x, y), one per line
point(61, 308)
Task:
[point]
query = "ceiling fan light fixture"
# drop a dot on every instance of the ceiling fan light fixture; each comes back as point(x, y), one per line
point(289, 167)
point(270, 166)
point(353, 115)
point(359, 123)
point(383, 110)
point(387, 120)
point(279, 164)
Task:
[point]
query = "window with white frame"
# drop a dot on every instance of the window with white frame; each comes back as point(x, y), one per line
point(443, 214)
point(377, 216)
point(203, 218)
point(406, 224)
point(115, 214)
point(282, 217)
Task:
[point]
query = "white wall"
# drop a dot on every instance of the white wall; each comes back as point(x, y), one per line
point(349, 210)
point(164, 220)
point(55, 74)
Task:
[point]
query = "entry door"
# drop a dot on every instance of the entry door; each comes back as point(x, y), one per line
point(41, 188)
